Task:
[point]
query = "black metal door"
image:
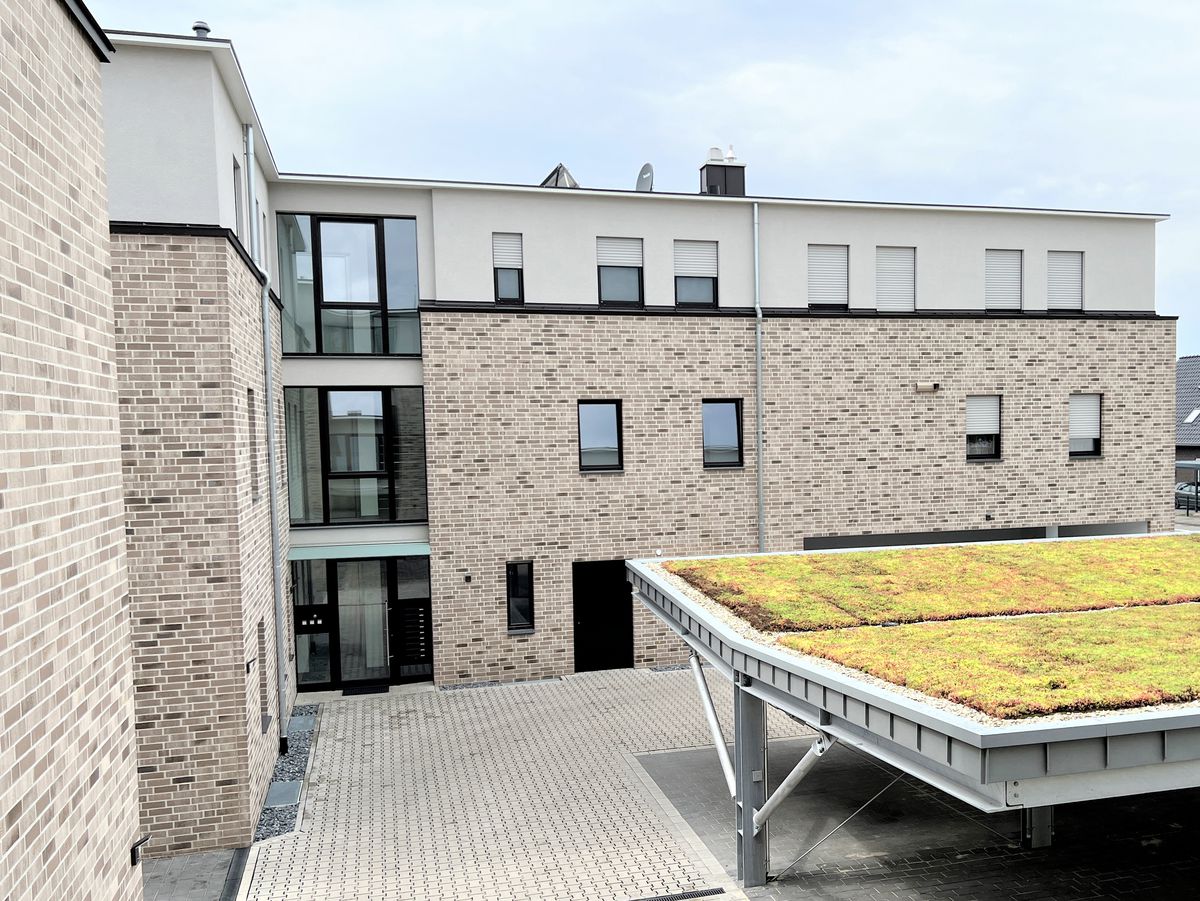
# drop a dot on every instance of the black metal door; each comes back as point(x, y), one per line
point(603, 606)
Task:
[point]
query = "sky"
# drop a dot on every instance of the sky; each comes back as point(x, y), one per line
point(1086, 104)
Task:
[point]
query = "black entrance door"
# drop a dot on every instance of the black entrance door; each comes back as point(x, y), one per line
point(603, 608)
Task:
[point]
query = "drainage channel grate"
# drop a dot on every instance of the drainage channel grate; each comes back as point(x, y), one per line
point(683, 896)
point(671, 668)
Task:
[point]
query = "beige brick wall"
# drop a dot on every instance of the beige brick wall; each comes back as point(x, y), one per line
point(189, 348)
point(68, 811)
point(852, 448)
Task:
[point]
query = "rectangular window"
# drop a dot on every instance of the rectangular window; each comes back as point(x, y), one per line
point(1085, 425)
point(1064, 280)
point(983, 427)
point(239, 227)
point(828, 275)
point(348, 286)
point(252, 418)
point(1002, 280)
point(722, 432)
point(696, 273)
point(520, 596)
point(600, 435)
point(355, 455)
point(508, 264)
point(619, 264)
point(895, 279)
point(264, 697)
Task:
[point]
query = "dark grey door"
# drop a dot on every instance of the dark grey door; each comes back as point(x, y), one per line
point(603, 608)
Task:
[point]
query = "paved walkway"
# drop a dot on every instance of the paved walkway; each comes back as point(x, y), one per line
point(517, 792)
point(189, 877)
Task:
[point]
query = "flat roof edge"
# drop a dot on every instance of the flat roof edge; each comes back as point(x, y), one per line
point(301, 178)
point(91, 29)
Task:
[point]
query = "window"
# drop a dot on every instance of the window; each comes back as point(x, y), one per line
point(1085, 425)
point(600, 435)
point(348, 286)
point(619, 263)
point(508, 263)
point(252, 417)
point(1064, 280)
point(355, 455)
point(983, 427)
point(828, 275)
point(696, 273)
point(895, 279)
point(1002, 280)
point(722, 432)
point(520, 596)
point(239, 227)
point(264, 697)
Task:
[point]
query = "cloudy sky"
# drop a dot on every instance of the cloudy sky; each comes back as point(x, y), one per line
point(1086, 104)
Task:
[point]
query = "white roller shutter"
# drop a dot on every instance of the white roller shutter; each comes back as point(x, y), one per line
point(697, 259)
point(507, 251)
point(983, 414)
point(1003, 280)
point(828, 274)
point(618, 251)
point(1064, 280)
point(1085, 416)
point(896, 279)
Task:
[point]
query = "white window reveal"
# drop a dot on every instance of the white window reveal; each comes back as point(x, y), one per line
point(828, 275)
point(1064, 280)
point(696, 259)
point(619, 252)
point(1002, 275)
point(1085, 425)
point(506, 251)
point(895, 279)
point(1192, 417)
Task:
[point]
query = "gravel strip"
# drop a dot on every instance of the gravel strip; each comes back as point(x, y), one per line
point(290, 767)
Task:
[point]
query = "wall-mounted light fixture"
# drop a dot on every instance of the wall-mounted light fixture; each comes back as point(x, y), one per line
point(135, 853)
point(927, 387)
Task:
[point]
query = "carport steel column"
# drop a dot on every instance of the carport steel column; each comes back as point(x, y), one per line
point(750, 764)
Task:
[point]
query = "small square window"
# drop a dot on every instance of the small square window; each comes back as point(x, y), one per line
point(510, 286)
point(520, 596)
point(694, 291)
point(600, 435)
point(621, 284)
point(722, 431)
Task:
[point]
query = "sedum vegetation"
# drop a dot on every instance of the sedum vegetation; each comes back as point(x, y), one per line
point(1030, 665)
point(950, 621)
point(804, 592)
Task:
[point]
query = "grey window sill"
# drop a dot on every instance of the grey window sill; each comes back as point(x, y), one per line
point(976, 461)
point(519, 632)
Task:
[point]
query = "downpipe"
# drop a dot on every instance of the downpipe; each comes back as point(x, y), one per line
point(759, 457)
point(257, 254)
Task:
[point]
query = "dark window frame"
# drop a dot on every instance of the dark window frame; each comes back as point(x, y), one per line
point(741, 443)
point(510, 575)
point(1097, 449)
point(319, 304)
point(620, 466)
point(508, 301)
point(390, 472)
point(694, 305)
point(626, 304)
point(998, 436)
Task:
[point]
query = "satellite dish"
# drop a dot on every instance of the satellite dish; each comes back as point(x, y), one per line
point(645, 179)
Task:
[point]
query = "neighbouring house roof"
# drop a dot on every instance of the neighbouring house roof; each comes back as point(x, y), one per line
point(1187, 401)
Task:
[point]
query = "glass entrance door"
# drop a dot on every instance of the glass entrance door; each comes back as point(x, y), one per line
point(362, 621)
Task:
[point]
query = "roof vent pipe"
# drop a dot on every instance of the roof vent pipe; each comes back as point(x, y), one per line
point(201, 28)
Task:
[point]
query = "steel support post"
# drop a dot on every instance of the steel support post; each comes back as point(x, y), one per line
point(750, 764)
point(1037, 827)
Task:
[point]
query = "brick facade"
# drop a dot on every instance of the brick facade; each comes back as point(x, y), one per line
point(68, 797)
point(852, 448)
point(189, 354)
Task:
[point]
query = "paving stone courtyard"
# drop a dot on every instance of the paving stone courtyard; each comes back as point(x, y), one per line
point(600, 786)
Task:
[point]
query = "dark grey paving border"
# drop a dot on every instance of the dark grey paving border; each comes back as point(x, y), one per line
point(233, 879)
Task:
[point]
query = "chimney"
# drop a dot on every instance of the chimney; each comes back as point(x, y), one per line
point(723, 173)
point(201, 28)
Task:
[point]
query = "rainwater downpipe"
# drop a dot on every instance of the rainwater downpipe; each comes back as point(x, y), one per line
point(759, 460)
point(257, 253)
